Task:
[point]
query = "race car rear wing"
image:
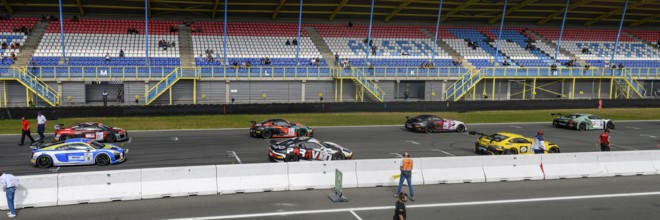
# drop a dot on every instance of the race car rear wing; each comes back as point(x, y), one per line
point(556, 114)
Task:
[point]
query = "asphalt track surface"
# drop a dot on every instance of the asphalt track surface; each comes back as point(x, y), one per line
point(592, 198)
point(150, 149)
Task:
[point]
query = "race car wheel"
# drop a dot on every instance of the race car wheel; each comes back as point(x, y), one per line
point(511, 151)
point(302, 132)
point(489, 153)
point(271, 159)
point(291, 158)
point(110, 138)
point(338, 156)
point(44, 162)
point(267, 134)
point(555, 124)
point(610, 125)
point(64, 137)
point(102, 160)
point(553, 150)
point(582, 127)
point(460, 129)
point(428, 129)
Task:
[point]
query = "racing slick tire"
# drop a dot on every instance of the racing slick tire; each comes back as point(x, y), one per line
point(555, 124)
point(102, 160)
point(271, 159)
point(44, 161)
point(64, 137)
point(510, 151)
point(582, 127)
point(301, 132)
point(489, 152)
point(338, 156)
point(291, 158)
point(110, 138)
point(553, 150)
point(610, 125)
point(460, 128)
point(428, 129)
point(267, 134)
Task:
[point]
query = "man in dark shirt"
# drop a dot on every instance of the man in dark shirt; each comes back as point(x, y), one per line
point(294, 42)
point(400, 207)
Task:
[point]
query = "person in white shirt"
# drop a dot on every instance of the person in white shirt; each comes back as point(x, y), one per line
point(9, 184)
point(41, 126)
point(538, 145)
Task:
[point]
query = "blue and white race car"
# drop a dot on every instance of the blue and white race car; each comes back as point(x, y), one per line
point(77, 151)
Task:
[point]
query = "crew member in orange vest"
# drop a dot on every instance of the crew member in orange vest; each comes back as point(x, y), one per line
point(406, 173)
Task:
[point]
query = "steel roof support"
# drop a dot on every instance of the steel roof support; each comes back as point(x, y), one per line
point(336, 11)
point(80, 7)
point(398, 9)
point(511, 10)
point(644, 20)
point(458, 9)
point(277, 9)
point(617, 11)
point(8, 7)
point(558, 12)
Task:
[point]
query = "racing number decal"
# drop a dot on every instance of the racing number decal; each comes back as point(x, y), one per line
point(445, 125)
point(292, 131)
point(88, 156)
point(90, 136)
point(597, 123)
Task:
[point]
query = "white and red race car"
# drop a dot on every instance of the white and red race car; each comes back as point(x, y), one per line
point(90, 130)
point(432, 123)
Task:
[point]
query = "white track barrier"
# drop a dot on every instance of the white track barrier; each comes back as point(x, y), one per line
point(179, 181)
point(655, 156)
point(513, 168)
point(453, 170)
point(246, 178)
point(626, 163)
point(321, 174)
point(105, 186)
point(573, 165)
point(34, 191)
point(379, 172)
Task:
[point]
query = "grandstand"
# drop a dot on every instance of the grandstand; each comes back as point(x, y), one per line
point(255, 64)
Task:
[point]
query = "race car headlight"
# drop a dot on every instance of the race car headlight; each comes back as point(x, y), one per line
point(347, 151)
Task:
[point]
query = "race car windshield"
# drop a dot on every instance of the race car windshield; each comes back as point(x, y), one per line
point(96, 145)
point(573, 116)
point(497, 137)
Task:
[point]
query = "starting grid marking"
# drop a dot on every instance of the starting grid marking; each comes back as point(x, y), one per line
point(431, 205)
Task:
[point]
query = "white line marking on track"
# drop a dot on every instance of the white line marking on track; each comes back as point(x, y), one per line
point(431, 205)
point(397, 154)
point(636, 128)
point(513, 126)
point(357, 216)
point(629, 148)
point(444, 152)
point(646, 135)
point(413, 142)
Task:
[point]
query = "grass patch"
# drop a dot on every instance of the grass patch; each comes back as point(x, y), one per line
point(329, 119)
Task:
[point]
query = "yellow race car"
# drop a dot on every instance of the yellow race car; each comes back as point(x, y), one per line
point(508, 143)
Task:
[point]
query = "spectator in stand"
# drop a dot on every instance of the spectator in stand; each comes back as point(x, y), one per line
point(586, 67)
point(121, 53)
point(52, 18)
point(75, 18)
point(553, 68)
point(235, 64)
point(267, 61)
point(262, 61)
point(312, 62)
point(107, 57)
point(586, 51)
point(318, 61)
point(505, 63)
point(336, 58)
point(4, 45)
point(4, 57)
point(288, 43)
point(620, 66)
point(657, 44)
point(12, 45)
point(172, 29)
point(209, 57)
point(248, 64)
point(350, 24)
point(12, 56)
point(34, 67)
point(294, 42)
point(44, 18)
point(373, 50)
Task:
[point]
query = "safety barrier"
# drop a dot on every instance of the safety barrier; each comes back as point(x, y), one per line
point(562, 166)
point(628, 163)
point(106, 186)
point(92, 187)
point(453, 170)
point(179, 181)
point(34, 191)
point(247, 178)
point(315, 175)
point(382, 172)
point(513, 168)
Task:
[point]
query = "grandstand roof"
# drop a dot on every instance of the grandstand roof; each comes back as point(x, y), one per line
point(583, 12)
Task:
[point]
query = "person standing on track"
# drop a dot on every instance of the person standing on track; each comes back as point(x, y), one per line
point(41, 126)
point(406, 173)
point(538, 145)
point(105, 98)
point(605, 140)
point(9, 184)
point(25, 131)
point(400, 207)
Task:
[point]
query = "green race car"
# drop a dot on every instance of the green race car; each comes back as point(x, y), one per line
point(581, 121)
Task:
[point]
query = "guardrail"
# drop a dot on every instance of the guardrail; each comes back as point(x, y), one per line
point(148, 183)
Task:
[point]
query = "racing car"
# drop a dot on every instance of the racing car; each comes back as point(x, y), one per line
point(306, 148)
point(90, 130)
point(432, 123)
point(279, 128)
point(581, 121)
point(508, 143)
point(76, 151)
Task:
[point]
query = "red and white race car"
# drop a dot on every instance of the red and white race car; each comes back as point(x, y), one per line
point(432, 123)
point(90, 130)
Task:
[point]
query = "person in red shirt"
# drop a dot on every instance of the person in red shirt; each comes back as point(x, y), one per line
point(26, 131)
point(605, 140)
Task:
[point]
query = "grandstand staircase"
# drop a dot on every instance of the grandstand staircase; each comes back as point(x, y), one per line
point(34, 84)
point(444, 46)
point(643, 41)
point(360, 79)
point(31, 44)
point(628, 87)
point(164, 85)
point(553, 45)
point(461, 87)
point(186, 52)
point(320, 44)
